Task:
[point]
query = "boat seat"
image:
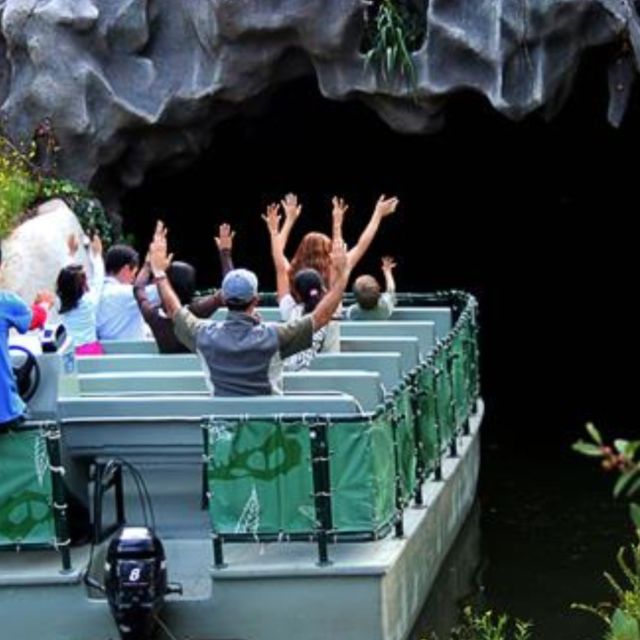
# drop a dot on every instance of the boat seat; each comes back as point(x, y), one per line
point(388, 365)
point(146, 362)
point(127, 383)
point(150, 426)
point(407, 347)
point(423, 330)
point(129, 346)
point(365, 386)
point(440, 316)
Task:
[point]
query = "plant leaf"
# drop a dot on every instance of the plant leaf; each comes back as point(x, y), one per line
point(624, 626)
point(634, 510)
point(624, 481)
point(593, 432)
point(587, 449)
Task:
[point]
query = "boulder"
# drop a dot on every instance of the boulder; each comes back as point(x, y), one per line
point(34, 253)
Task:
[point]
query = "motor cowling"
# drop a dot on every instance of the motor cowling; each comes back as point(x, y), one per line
point(135, 581)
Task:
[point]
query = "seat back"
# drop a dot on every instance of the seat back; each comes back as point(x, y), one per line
point(388, 365)
point(407, 347)
point(423, 330)
point(440, 316)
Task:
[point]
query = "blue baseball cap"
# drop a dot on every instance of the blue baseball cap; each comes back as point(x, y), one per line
point(240, 285)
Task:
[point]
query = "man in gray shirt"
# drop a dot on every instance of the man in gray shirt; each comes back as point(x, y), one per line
point(242, 352)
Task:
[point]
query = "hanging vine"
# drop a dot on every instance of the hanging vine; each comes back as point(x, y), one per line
point(393, 30)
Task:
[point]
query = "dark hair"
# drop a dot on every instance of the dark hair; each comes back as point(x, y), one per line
point(308, 288)
point(235, 305)
point(367, 292)
point(182, 277)
point(70, 286)
point(120, 256)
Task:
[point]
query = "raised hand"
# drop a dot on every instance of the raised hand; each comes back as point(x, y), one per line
point(160, 233)
point(158, 258)
point(272, 218)
point(291, 207)
point(45, 299)
point(388, 264)
point(339, 209)
point(73, 244)
point(224, 239)
point(385, 207)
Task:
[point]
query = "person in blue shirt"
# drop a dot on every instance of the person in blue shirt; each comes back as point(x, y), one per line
point(15, 314)
point(79, 295)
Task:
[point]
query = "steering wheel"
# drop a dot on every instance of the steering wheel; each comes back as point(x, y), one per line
point(27, 372)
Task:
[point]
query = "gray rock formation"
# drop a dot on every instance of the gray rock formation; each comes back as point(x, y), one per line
point(130, 84)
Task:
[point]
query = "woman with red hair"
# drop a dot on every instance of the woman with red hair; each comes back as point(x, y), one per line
point(314, 248)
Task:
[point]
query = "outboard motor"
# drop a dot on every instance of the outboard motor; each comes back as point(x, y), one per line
point(135, 581)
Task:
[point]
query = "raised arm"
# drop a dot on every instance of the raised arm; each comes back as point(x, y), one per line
point(292, 211)
point(337, 218)
point(147, 309)
point(383, 208)
point(388, 265)
point(280, 262)
point(224, 242)
point(96, 279)
point(159, 262)
point(323, 313)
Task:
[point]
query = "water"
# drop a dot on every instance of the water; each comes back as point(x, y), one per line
point(543, 530)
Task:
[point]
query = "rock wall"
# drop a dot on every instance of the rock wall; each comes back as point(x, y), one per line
point(130, 84)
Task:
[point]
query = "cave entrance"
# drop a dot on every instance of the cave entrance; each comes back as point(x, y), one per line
point(479, 200)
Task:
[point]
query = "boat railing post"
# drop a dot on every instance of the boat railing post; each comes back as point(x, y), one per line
point(52, 434)
point(204, 498)
point(453, 444)
point(437, 419)
point(414, 400)
point(399, 521)
point(216, 538)
point(218, 553)
point(318, 437)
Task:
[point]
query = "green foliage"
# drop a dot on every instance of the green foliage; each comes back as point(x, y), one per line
point(622, 618)
point(24, 184)
point(395, 29)
point(621, 457)
point(17, 187)
point(490, 626)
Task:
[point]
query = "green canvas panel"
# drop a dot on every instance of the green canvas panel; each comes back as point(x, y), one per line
point(260, 477)
point(427, 413)
point(459, 380)
point(362, 475)
point(405, 435)
point(26, 514)
point(443, 395)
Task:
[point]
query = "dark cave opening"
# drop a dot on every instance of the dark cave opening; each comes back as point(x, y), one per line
point(531, 217)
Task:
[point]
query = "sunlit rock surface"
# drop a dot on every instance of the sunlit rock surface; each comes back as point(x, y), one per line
point(136, 83)
point(34, 253)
